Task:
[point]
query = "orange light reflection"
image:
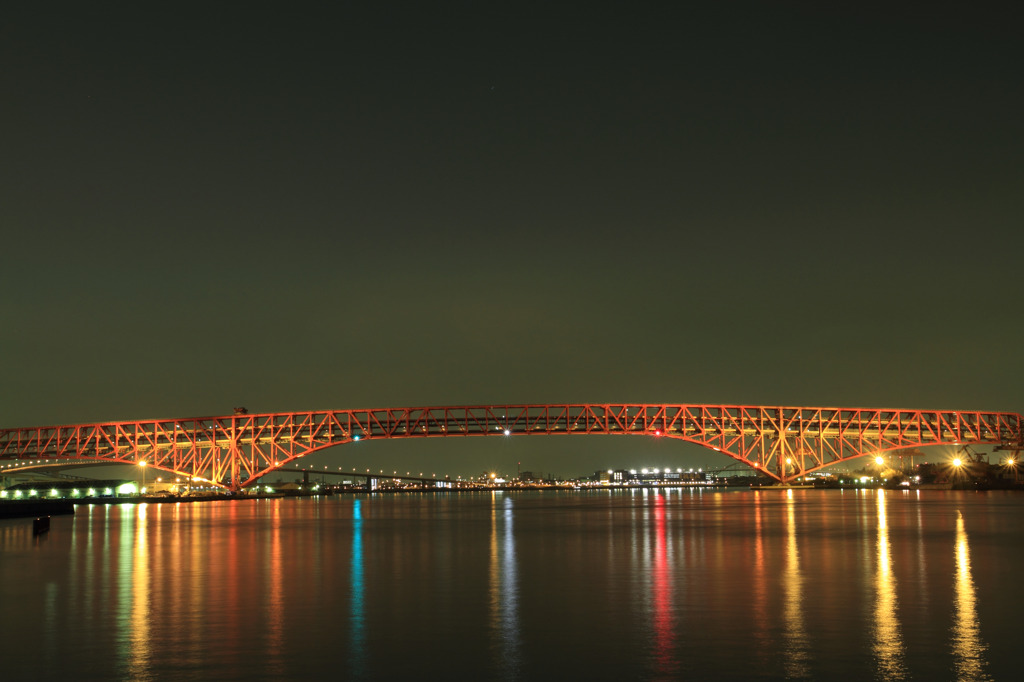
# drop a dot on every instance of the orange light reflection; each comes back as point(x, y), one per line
point(888, 640)
point(795, 632)
point(968, 646)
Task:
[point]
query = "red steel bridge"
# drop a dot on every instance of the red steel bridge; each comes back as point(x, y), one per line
point(781, 442)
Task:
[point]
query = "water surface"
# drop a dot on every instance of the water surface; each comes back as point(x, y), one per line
point(643, 584)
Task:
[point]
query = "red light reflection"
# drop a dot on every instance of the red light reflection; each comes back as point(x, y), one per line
point(661, 583)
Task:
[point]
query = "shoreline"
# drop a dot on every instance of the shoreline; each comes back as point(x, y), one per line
point(12, 509)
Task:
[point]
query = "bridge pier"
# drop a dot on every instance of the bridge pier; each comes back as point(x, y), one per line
point(780, 455)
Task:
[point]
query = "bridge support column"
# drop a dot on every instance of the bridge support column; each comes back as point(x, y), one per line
point(236, 454)
point(781, 453)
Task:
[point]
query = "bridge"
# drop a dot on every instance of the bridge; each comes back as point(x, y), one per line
point(372, 478)
point(783, 443)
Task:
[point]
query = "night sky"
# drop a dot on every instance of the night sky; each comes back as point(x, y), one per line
point(295, 208)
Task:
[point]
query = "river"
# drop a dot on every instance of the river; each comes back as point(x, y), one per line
point(625, 585)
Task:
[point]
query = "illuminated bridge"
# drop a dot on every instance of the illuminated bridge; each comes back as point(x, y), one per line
point(781, 442)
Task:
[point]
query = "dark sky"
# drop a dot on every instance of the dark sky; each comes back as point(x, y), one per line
point(291, 208)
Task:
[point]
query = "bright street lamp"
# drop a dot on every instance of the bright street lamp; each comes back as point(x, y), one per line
point(143, 465)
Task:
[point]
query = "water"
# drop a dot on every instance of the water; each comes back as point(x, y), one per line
point(772, 584)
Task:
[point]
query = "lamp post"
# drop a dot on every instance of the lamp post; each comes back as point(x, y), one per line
point(143, 465)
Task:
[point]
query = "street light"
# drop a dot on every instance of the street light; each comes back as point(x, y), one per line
point(959, 468)
point(143, 465)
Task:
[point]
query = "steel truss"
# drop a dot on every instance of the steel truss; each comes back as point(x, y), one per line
point(781, 442)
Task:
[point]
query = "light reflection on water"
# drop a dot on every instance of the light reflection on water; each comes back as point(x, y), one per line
point(888, 641)
point(126, 544)
point(357, 587)
point(139, 629)
point(759, 584)
point(662, 598)
point(273, 596)
point(503, 597)
point(968, 646)
point(796, 643)
point(642, 584)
